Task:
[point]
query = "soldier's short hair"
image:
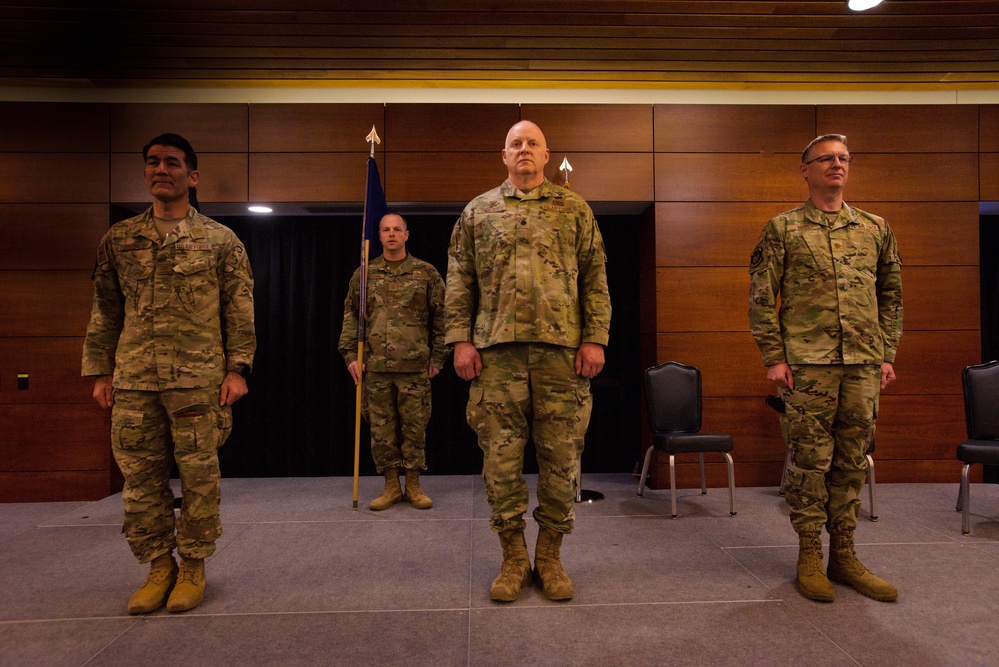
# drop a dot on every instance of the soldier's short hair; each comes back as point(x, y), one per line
point(176, 141)
point(818, 140)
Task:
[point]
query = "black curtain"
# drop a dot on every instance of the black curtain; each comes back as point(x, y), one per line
point(298, 419)
point(989, 267)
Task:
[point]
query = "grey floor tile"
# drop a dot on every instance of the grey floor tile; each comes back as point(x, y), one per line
point(734, 633)
point(300, 577)
point(58, 643)
point(350, 565)
point(432, 638)
point(16, 518)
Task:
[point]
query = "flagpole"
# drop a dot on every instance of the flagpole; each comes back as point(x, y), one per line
point(372, 139)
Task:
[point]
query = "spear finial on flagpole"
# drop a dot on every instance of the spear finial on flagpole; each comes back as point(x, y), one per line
point(565, 168)
point(373, 139)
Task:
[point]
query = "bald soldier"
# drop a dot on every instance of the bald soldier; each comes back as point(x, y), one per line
point(830, 348)
point(404, 350)
point(170, 342)
point(528, 312)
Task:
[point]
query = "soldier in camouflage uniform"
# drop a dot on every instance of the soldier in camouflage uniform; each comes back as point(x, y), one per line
point(528, 311)
point(830, 347)
point(170, 340)
point(404, 349)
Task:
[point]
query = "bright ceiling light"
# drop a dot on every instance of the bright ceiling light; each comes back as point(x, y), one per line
point(861, 5)
point(261, 209)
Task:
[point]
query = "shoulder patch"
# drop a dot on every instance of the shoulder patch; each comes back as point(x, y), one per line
point(756, 258)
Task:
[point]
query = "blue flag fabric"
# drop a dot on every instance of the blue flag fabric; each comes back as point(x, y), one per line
point(375, 209)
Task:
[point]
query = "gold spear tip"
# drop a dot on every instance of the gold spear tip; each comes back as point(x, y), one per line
point(372, 137)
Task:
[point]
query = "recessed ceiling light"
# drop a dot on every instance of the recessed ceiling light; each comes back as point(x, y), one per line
point(861, 5)
point(261, 209)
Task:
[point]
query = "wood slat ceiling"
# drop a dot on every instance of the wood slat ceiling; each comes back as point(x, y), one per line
point(902, 44)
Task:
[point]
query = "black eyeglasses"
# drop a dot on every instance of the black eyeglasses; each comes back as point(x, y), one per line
point(828, 159)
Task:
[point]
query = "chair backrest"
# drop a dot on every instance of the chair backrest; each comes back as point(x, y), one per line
point(981, 400)
point(673, 398)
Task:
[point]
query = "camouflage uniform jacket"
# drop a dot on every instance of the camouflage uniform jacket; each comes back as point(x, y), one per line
point(162, 309)
point(840, 286)
point(527, 267)
point(404, 325)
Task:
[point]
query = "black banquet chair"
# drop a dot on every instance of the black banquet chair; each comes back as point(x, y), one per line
point(981, 412)
point(673, 399)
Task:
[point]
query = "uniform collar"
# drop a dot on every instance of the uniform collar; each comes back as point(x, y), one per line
point(815, 216)
point(545, 190)
point(192, 226)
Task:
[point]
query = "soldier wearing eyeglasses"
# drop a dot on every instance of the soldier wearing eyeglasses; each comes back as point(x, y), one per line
point(830, 347)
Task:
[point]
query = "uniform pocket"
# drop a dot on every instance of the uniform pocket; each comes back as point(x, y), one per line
point(473, 411)
point(126, 429)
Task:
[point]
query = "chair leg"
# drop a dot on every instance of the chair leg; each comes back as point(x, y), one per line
point(960, 495)
point(645, 470)
point(731, 483)
point(966, 498)
point(783, 474)
point(704, 483)
point(870, 487)
point(672, 485)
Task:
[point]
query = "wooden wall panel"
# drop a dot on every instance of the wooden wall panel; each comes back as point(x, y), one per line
point(711, 128)
point(885, 177)
point(928, 362)
point(53, 366)
point(592, 128)
point(39, 127)
point(920, 427)
point(702, 299)
point(314, 128)
point(309, 177)
point(724, 233)
point(715, 177)
point(988, 128)
point(211, 128)
point(709, 177)
point(408, 179)
point(909, 427)
point(989, 169)
point(941, 298)
point(899, 128)
point(51, 303)
point(606, 176)
point(48, 178)
point(931, 233)
point(51, 236)
point(448, 127)
point(711, 233)
point(74, 437)
point(56, 486)
point(730, 362)
point(224, 178)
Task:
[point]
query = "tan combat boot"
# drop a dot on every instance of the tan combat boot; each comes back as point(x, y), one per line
point(414, 494)
point(844, 568)
point(555, 583)
point(392, 493)
point(812, 581)
point(190, 588)
point(153, 593)
point(515, 572)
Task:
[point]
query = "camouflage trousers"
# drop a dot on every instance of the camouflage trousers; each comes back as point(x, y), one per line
point(829, 420)
point(397, 406)
point(152, 430)
point(530, 390)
